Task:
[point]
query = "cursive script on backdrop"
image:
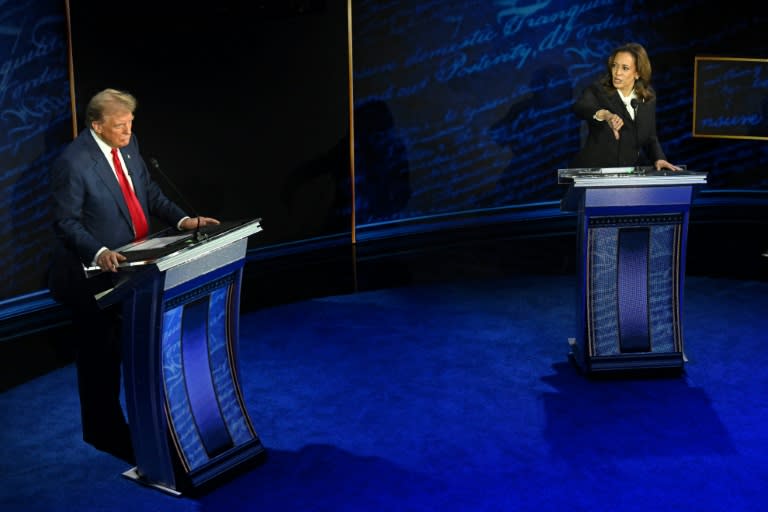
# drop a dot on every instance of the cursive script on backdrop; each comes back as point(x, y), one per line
point(481, 92)
point(35, 117)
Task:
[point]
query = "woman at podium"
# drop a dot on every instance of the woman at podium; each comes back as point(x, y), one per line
point(619, 111)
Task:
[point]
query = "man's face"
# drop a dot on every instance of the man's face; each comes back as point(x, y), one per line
point(115, 127)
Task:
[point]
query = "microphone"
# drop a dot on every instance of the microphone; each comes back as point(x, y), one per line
point(198, 236)
point(634, 104)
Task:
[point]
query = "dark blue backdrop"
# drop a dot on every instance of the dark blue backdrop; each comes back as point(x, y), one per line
point(35, 119)
point(476, 95)
point(460, 106)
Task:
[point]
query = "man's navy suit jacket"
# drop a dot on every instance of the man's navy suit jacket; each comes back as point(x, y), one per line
point(89, 211)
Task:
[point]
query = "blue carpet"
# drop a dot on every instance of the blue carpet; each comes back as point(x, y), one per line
point(446, 397)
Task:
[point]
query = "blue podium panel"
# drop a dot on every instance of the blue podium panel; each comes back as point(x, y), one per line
point(187, 415)
point(632, 231)
point(632, 276)
point(207, 418)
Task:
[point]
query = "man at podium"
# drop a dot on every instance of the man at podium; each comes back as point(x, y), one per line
point(103, 198)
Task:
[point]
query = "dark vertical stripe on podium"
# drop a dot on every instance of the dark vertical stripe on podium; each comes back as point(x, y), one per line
point(632, 290)
point(197, 376)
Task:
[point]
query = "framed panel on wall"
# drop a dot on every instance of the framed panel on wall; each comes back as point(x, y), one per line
point(730, 98)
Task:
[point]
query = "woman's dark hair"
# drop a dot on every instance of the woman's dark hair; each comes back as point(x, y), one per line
point(643, 87)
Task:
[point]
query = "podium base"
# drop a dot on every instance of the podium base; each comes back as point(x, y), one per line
point(133, 474)
point(669, 363)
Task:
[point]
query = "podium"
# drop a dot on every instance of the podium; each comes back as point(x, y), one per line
point(180, 296)
point(632, 234)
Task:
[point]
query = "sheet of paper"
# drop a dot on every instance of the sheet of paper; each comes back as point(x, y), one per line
point(154, 243)
point(617, 170)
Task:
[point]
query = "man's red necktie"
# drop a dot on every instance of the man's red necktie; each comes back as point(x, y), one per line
point(140, 226)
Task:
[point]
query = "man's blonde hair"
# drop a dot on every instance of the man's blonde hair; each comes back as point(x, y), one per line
point(106, 101)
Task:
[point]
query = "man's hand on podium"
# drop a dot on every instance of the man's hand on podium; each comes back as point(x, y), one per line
point(109, 260)
point(197, 222)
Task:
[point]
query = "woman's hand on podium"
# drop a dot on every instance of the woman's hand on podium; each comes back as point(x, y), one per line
point(663, 164)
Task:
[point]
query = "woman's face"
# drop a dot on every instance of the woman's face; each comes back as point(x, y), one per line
point(624, 72)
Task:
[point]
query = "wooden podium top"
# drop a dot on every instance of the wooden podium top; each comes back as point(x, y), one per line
point(627, 177)
point(178, 256)
point(627, 186)
point(170, 247)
